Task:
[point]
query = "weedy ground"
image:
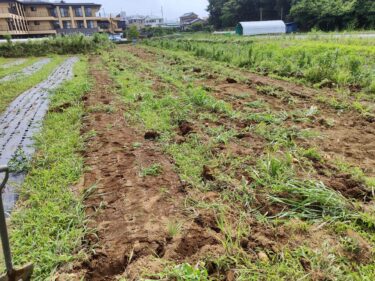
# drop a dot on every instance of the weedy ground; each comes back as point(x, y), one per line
point(339, 63)
point(275, 182)
point(196, 166)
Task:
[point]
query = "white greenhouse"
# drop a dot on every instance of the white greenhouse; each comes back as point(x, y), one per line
point(260, 27)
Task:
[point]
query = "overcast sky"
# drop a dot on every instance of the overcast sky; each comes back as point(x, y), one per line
point(172, 8)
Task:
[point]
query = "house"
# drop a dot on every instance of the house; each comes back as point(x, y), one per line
point(188, 19)
point(137, 20)
point(151, 21)
point(185, 19)
point(121, 21)
point(42, 18)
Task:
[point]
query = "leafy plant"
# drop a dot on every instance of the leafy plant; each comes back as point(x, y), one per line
point(20, 162)
point(187, 272)
point(153, 170)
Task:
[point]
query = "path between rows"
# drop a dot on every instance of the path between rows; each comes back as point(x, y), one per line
point(27, 71)
point(13, 63)
point(23, 118)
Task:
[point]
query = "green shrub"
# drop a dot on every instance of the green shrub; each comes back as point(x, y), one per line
point(61, 45)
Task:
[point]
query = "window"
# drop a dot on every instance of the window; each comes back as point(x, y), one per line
point(12, 8)
point(80, 24)
point(33, 9)
point(88, 12)
point(67, 24)
point(90, 24)
point(56, 24)
point(52, 12)
point(78, 12)
point(103, 24)
point(64, 12)
point(36, 23)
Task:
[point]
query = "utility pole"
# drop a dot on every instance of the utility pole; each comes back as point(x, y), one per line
point(282, 13)
point(162, 13)
point(261, 14)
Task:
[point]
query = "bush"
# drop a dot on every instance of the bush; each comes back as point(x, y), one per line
point(132, 33)
point(61, 45)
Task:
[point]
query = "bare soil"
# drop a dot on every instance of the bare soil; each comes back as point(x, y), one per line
point(130, 212)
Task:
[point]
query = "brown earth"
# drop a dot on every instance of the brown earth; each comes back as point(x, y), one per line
point(130, 213)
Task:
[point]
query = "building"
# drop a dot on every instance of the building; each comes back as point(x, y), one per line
point(171, 24)
point(151, 21)
point(43, 18)
point(188, 19)
point(136, 20)
point(121, 21)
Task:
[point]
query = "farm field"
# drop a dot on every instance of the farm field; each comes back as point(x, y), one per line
point(202, 158)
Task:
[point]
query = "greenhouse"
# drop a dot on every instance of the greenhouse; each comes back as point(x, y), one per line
point(260, 27)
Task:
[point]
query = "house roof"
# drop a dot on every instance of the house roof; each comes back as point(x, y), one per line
point(188, 15)
point(192, 21)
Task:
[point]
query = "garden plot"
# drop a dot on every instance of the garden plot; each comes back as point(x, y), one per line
point(275, 182)
point(13, 63)
point(23, 119)
point(27, 71)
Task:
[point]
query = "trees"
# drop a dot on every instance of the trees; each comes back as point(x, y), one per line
point(215, 10)
point(323, 14)
point(227, 13)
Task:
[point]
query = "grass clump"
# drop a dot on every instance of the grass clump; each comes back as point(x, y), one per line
point(174, 228)
point(307, 199)
point(48, 223)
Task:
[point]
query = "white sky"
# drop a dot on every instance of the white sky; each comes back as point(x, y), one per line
point(172, 8)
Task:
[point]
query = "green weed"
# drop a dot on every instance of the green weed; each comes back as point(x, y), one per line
point(153, 170)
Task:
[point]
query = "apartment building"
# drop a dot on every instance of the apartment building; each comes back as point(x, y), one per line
point(152, 21)
point(42, 18)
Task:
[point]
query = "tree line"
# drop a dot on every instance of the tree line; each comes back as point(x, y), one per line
point(325, 15)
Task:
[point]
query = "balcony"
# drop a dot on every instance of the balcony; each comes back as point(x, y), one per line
point(8, 13)
point(85, 31)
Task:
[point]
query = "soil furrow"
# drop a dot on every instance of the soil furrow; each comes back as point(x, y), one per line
point(129, 209)
point(343, 136)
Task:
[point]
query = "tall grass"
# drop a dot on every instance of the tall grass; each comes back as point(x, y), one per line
point(307, 199)
point(313, 62)
point(74, 44)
